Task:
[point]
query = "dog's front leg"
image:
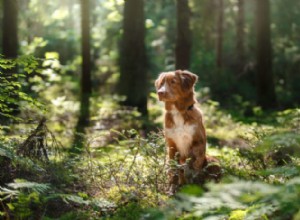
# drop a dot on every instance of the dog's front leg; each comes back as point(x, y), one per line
point(173, 170)
point(194, 170)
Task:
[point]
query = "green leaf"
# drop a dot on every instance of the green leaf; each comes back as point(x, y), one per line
point(192, 190)
point(10, 206)
point(21, 184)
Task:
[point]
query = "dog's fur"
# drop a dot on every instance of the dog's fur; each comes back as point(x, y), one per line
point(183, 126)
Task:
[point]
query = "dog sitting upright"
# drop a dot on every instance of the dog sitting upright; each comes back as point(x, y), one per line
point(183, 126)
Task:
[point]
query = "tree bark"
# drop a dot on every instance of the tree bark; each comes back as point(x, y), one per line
point(240, 37)
point(266, 97)
point(184, 35)
point(133, 70)
point(219, 46)
point(10, 29)
point(85, 82)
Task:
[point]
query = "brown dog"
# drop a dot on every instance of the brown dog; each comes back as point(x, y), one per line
point(183, 126)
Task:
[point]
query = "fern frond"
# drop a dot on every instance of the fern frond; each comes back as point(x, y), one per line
point(37, 187)
point(67, 198)
point(5, 153)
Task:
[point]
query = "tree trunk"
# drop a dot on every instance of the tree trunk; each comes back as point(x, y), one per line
point(184, 35)
point(240, 36)
point(133, 78)
point(219, 46)
point(10, 29)
point(85, 82)
point(266, 97)
point(10, 51)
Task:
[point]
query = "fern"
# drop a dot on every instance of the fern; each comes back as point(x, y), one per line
point(15, 199)
point(280, 172)
point(253, 200)
point(67, 198)
point(98, 203)
point(6, 193)
point(277, 141)
point(31, 186)
point(5, 153)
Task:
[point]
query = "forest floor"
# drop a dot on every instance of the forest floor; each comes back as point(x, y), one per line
point(120, 170)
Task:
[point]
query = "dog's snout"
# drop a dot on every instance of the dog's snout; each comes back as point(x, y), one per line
point(162, 90)
point(159, 92)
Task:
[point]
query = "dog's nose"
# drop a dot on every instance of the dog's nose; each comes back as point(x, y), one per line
point(160, 92)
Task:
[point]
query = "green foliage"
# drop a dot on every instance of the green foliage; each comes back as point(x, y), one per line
point(110, 115)
point(240, 200)
point(266, 164)
point(289, 118)
point(125, 175)
point(24, 198)
point(21, 207)
point(132, 169)
point(11, 84)
point(10, 161)
point(121, 174)
point(131, 211)
point(23, 184)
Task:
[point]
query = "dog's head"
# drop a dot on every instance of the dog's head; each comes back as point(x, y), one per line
point(171, 86)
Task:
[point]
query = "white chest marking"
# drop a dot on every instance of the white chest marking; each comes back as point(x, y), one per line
point(180, 133)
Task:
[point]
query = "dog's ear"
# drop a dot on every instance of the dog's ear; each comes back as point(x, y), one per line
point(159, 81)
point(188, 79)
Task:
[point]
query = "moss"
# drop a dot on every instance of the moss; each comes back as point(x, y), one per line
point(238, 215)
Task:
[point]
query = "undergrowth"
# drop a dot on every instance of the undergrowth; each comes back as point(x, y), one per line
point(126, 178)
point(121, 171)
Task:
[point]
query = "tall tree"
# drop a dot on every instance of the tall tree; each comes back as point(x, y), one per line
point(266, 97)
point(219, 42)
point(10, 50)
point(10, 29)
point(85, 82)
point(184, 35)
point(133, 78)
point(240, 36)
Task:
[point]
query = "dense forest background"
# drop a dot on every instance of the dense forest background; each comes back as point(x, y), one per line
point(81, 128)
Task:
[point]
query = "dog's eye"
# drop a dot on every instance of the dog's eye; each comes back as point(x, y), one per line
point(173, 81)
